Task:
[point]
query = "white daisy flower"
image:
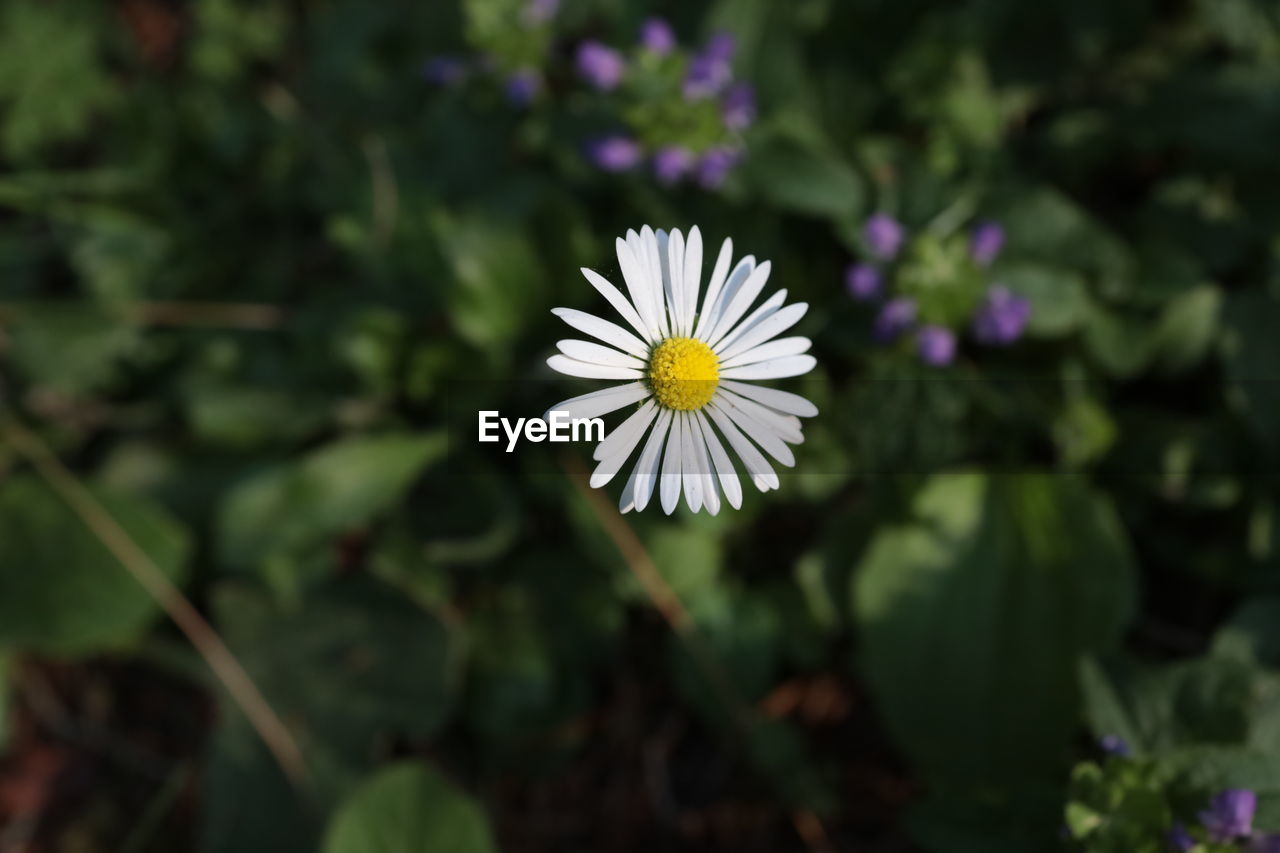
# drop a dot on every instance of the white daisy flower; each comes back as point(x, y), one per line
point(689, 371)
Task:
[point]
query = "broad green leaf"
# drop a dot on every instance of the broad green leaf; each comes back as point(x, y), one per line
point(1059, 300)
point(73, 349)
point(1187, 329)
point(61, 591)
point(805, 180)
point(409, 808)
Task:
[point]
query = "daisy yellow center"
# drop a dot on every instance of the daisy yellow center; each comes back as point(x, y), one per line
point(683, 373)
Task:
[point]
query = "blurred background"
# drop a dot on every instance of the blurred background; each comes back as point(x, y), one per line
point(262, 263)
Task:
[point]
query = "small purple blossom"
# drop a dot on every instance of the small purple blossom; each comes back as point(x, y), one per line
point(715, 165)
point(1230, 814)
point(1265, 844)
point(1002, 317)
point(657, 37)
point(863, 281)
point(720, 46)
point(895, 317)
point(711, 70)
point(600, 65)
point(537, 12)
point(936, 345)
point(884, 236)
point(1115, 745)
point(615, 153)
point(985, 243)
point(1179, 839)
point(444, 70)
point(522, 86)
point(672, 163)
point(738, 109)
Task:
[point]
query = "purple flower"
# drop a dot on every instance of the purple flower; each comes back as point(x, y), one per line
point(897, 316)
point(985, 243)
point(672, 163)
point(1266, 844)
point(720, 46)
point(715, 165)
point(615, 153)
point(539, 11)
point(739, 106)
point(711, 70)
point(1115, 745)
point(656, 36)
point(863, 281)
point(444, 70)
point(1230, 814)
point(1002, 317)
point(884, 235)
point(1179, 839)
point(937, 345)
point(523, 86)
point(600, 65)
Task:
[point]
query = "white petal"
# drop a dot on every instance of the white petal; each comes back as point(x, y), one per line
point(622, 434)
point(627, 500)
point(675, 270)
point(598, 354)
point(691, 474)
point(765, 329)
point(758, 468)
point(638, 285)
point(783, 401)
point(692, 277)
point(741, 302)
point(759, 432)
point(766, 351)
point(573, 367)
point(732, 285)
point(601, 402)
point(653, 261)
point(610, 333)
point(647, 467)
point(786, 427)
point(669, 482)
point(619, 302)
point(627, 436)
point(725, 472)
point(776, 368)
point(763, 312)
point(702, 463)
point(714, 285)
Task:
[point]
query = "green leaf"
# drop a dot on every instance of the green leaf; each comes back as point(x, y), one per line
point(61, 591)
point(1059, 300)
point(288, 510)
point(994, 589)
point(805, 180)
point(1187, 329)
point(409, 808)
point(73, 349)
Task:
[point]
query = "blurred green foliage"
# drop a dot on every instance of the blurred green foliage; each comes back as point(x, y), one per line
point(254, 270)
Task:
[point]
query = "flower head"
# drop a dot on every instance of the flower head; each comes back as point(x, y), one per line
point(537, 12)
point(600, 65)
point(672, 163)
point(656, 36)
point(615, 153)
point(523, 86)
point(985, 243)
point(721, 47)
point(1179, 839)
point(937, 345)
point(1230, 814)
point(444, 70)
point(884, 236)
point(863, 281)
point(738, 108)
point(689, 361)
point(1115, 745)
point(715, 165)
point(896, 316)
point(1002, 317)
point(1266, 844)
point(711, 70)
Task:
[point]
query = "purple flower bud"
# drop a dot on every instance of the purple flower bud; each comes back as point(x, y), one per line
point(672, 163)
point(538, 12)
point(444, 70)
point(615, 153)
point(1114, 745)
point(738, 108)
point(720, 47)
point(884, 235)
point(715, 165)
point(895, 317)
point(656, 36)
point(1002, 317)
point(1230, 815)
point(706, 78)
point(985, 243)
point(523, 86)
point(1266, 844)
point(600, 65)
point(863, 281)
point(1179, 839)
point(937, 345)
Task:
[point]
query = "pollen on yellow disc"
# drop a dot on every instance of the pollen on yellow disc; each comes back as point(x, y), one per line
point(683, 373)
